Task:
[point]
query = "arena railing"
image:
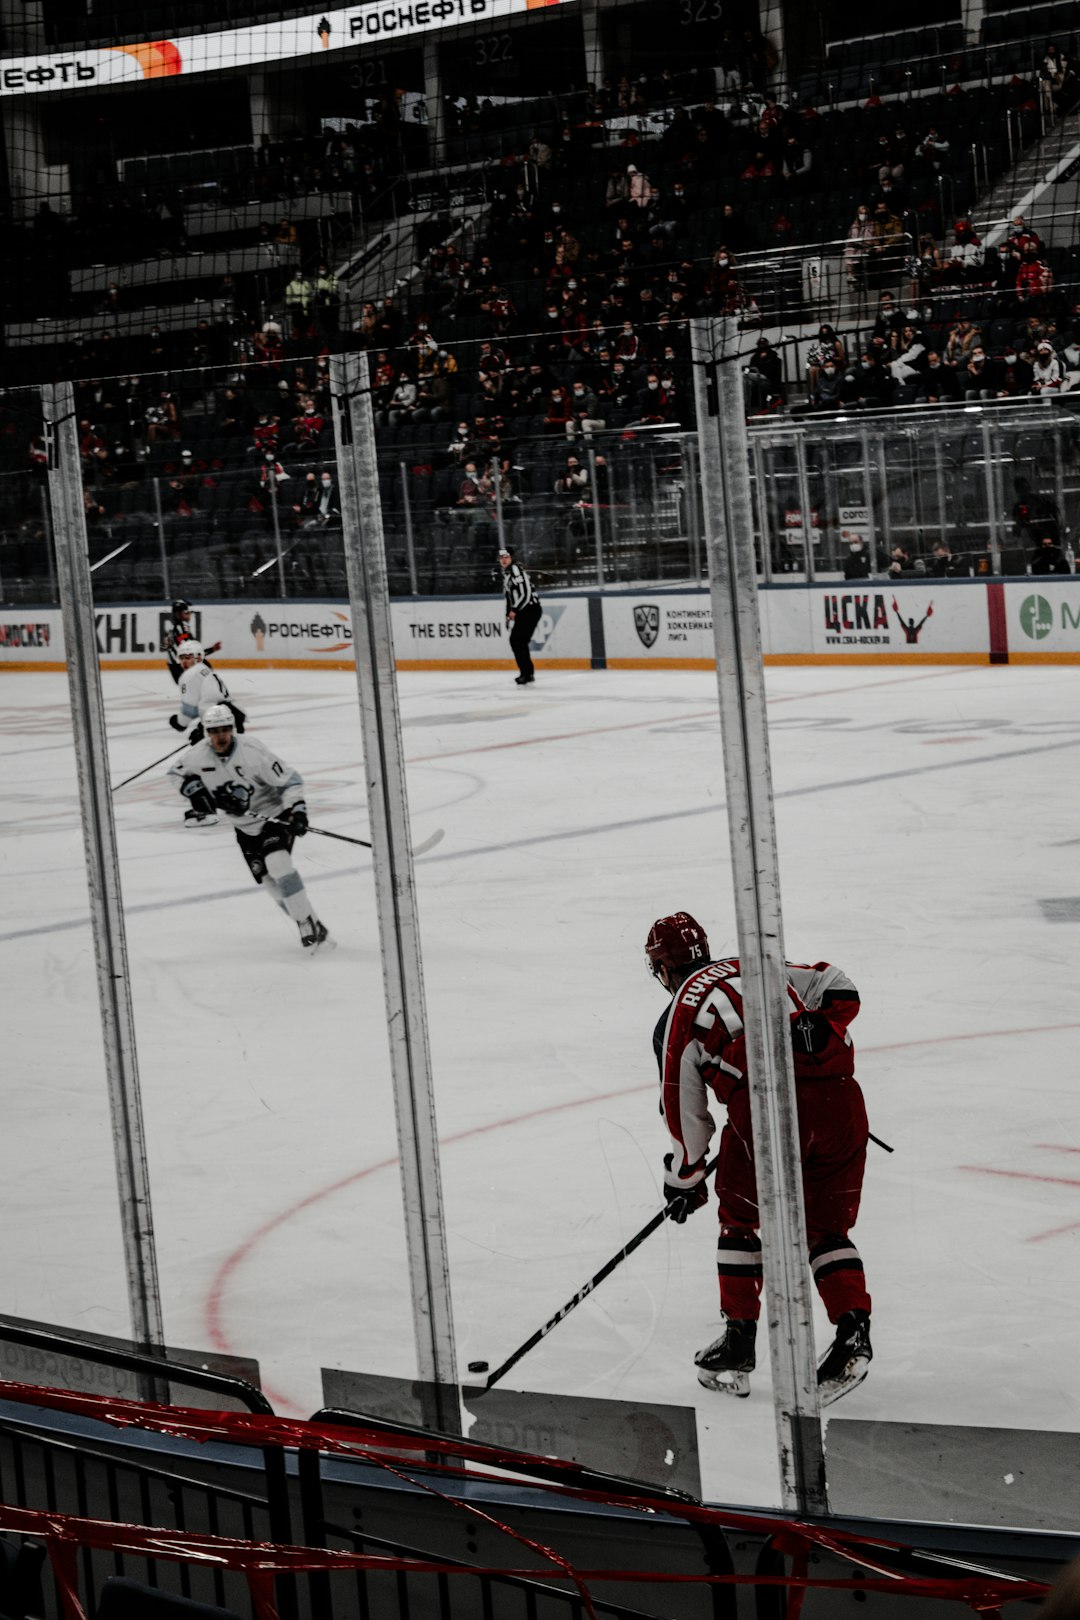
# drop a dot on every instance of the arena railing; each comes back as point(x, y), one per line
point(911, 476)
point(153, 1371)
point(525, 1519)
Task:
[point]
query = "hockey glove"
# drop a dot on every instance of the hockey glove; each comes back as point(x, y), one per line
point(176, 722)
point(298, 821)
point(196, 734)
point(684, 1200)
point(194, 788)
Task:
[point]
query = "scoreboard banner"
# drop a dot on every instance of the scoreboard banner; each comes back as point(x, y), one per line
point(932, 621)
point(323, 31)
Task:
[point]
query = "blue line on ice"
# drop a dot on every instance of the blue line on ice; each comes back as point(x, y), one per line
point(578, 832)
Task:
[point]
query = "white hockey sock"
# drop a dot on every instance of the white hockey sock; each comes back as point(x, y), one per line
point(290, 885)
point(272, 892)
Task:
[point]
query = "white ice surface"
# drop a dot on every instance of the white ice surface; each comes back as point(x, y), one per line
point(922, 814)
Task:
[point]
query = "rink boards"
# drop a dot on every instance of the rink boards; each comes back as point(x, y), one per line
point(931, 621)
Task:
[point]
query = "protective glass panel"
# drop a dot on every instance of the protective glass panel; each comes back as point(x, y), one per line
point(493, 236)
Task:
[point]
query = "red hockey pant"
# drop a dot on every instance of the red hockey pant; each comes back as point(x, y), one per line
point(832, 1147)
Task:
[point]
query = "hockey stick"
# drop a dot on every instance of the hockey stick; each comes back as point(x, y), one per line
point(418, 849)
point(146, 768)
point(343, 838)
point(594, 1282)
point(880, 1143)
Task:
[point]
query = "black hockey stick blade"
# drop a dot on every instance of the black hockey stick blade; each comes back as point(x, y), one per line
point(146, 768)
point(594, 1281)
point(880, 1143)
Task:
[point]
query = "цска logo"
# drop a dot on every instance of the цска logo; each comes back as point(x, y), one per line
point(647, 623)
point(1036, 617)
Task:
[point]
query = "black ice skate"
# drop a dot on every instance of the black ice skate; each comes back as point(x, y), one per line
point(726, 1364)
point(199, 818)
point(847, 1361)
point(313, 934)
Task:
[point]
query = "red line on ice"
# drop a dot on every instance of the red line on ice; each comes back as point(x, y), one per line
point(215, 1299)
point(228, 1267)
point(1055, 1231)
point(1020, 1175)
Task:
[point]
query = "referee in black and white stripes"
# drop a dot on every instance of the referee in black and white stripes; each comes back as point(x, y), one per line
point(522, 614)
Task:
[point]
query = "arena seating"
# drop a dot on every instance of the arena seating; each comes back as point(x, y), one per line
point(278, 210)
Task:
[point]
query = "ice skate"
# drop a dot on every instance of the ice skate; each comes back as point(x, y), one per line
point(199, 818)
point(313, 935)
point(847, 1361)
point(726, 1364)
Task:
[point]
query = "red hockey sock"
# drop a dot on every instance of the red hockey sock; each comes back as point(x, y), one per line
point(838, 1272)
point(738, 1265)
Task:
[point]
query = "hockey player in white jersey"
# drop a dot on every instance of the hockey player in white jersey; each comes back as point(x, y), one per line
point(198, 689)
point(265, 799)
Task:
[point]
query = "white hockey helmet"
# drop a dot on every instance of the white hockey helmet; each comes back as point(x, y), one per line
point(217, 716)
point(190, 649)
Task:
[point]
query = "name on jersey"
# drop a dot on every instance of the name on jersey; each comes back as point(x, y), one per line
point(703, 982)
point(24, 635)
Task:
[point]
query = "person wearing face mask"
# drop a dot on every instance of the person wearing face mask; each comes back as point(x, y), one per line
point(938, 383)
point(908, 364)
point(871, 384)
point(826, 347)
point(327, 507)
point(1015, 374)
point(584, 411)
point(828, 390)
point(722, 293)
point(978, 378)
point(318, 504)
point(1046, 372)
point(962, 339)
point(857, 562)
point(859, 238)
point(652, 402)
point(1001, 268)
point(889, 317)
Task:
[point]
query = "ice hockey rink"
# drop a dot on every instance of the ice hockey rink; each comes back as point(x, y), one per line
point(930, 845)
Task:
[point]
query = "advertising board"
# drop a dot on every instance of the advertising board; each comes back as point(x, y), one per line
point(864, 621)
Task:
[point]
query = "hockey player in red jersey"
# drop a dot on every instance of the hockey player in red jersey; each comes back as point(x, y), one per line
point(701, 1049)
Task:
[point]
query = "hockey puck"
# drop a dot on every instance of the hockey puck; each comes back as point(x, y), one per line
point(478, 1366)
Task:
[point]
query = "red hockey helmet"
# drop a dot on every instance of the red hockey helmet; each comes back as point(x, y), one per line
point(676, 942)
